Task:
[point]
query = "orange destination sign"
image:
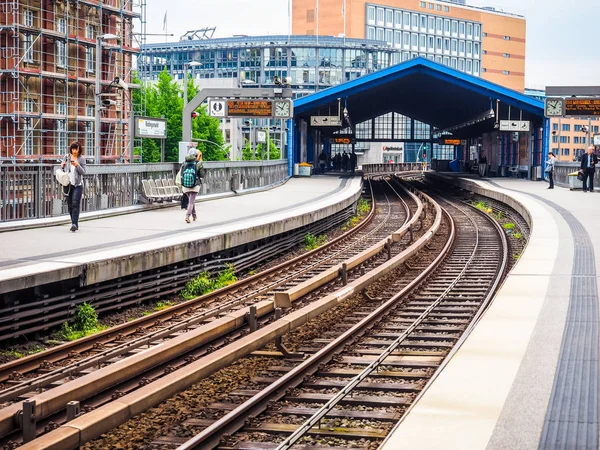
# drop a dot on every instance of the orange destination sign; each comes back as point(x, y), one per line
point(589, 106)
point(451, 142)
point(250, 108)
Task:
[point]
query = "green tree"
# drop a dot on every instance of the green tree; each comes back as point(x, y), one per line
point(274, 152)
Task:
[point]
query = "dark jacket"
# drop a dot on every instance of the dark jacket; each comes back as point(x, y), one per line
point(584, 161)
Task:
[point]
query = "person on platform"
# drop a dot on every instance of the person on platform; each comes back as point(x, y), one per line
point(337, 162)
point(588, 168)
point(550, 169)
point(74, 165)
point(352, 161)
point(322, 162)
point(345, 161)
point(191, 174)
point(482, 165)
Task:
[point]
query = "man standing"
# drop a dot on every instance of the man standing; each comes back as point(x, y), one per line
point(588, 167)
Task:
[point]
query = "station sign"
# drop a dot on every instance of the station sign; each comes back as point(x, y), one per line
point(514, 125)
point(149, 127)
point(325, 121)
point(596, 139)
point(450, 141)
point(249, 108)
point(582, 106)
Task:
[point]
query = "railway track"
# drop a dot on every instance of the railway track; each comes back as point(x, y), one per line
point(393, 213)
point(352, 390)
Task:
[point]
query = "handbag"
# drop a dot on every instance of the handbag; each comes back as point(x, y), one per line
point(62, 177)
point(548, 169)
point(580, 176)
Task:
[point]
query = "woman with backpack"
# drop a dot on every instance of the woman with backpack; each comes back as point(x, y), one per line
point(191, 173)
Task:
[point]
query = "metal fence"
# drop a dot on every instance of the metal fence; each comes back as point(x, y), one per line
point(30, 191)
point(563, 169)
point(391, 168)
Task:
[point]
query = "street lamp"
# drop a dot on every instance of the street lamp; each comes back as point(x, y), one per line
point(185, 79)
point(99, 40)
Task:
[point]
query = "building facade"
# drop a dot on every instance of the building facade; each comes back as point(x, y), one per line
point(48, 73)
point(479, 41)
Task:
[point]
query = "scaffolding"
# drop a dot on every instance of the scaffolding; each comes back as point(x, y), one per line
point(48, 72)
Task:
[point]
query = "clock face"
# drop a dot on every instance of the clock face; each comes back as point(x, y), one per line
point(282, 109)
point(554, 108)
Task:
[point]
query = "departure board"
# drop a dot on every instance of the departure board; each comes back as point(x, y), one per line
point(589, 106)
point(450, 142)
point(249, 108)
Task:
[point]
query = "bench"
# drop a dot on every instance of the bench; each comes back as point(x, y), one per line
point(159, 190)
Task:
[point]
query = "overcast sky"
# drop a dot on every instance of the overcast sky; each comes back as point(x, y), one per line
point(563, 44)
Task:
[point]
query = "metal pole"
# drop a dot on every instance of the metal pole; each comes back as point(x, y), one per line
point(162, 150)
point(185, 68)
point(268, 141)
point(344, 14)
point(97, 100)
point(131, 134)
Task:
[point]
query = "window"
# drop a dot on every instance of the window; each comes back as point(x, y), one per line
point(89, 60)
point(28, 48)
point(470, 30)
point(90, 32)
point(454, 28)
point(446, 9)
point(454, 46)
point(438, 25)
point(583, 139)
point(414, 41)
point(447, 27)
point(507, 38)
point(28, 17)
point(461, 65)
point(446, 61)
point(422, 4)
point(422, 42)
point(555, 127)
point(405, 56)
point(430, 44)
point(431, 24)
point(61, 54)
point(469, 66)
point(476, 49)
point(430, 5)
point(380, 15)
point(398, 38)
point(565, 151)
point(566, 127)
point(477, 32)
point(423, 23)
point(406, 20)
point(446, 46)
point(438, 59)
point(89, 138)
point(28, 136)
point(461, 48)
point(389, 38)
point(370, 33)
point(398, 19)
point(406, 40)
point(469, 49)
point(506, 55)
point(438, 45)
point(576, 140)
point(595, 128)
point(371, 14)
point(415, 21)
point(28, 105)
point(438, 7)
point(505, 72)
point(461, 29)
point(565, 139)
point(380, 34)
point(576, 128)
point(61, 129)
point(475, 67)
point(453, 63)
point(389, 17)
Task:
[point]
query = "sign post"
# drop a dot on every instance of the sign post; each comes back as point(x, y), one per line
point(149, 127)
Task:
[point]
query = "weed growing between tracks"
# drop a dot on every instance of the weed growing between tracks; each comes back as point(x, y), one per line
point(203, 283)
point(311, 241)
point(84, 324)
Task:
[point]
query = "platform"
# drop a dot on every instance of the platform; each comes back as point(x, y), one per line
point(110, 247)
point(527, 376)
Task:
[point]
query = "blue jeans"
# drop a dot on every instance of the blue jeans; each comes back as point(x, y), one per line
point(74, 203)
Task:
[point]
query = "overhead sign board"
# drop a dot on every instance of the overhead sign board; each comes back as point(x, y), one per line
point(249, 108)
point(149, 127)
point(217, 108)
point(325, 121)
point(514, 125)
point(582, 106)
point(449, 141)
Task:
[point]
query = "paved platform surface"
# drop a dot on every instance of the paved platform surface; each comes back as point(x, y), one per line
point(527, 377)
point(107, 248)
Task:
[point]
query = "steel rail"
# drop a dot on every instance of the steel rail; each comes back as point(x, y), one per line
point(210, 437)
point(62, 351)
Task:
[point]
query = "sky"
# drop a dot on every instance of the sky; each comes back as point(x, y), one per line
point(563, 44)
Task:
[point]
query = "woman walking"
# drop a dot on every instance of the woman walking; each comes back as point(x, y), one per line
point(190, 173)
point(550, 169)
point(74, 165)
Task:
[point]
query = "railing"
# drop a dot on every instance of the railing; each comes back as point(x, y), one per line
point(30, 191)
point(563, 169)
point(391, 168)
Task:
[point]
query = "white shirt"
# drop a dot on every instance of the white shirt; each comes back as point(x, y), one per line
point(72, 174)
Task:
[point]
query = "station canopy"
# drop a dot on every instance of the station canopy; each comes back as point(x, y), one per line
point(432, 93)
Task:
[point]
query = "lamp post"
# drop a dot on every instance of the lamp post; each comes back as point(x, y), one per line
point(99, 40)
point(185, 79)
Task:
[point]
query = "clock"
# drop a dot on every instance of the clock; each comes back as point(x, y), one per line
point(283, 109)
point(555, 107)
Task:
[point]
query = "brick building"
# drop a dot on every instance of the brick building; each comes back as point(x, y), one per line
point(48, 71)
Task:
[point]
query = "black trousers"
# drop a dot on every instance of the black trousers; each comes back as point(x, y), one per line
point(588, 173)
point(551, 179)
point(74, 203)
